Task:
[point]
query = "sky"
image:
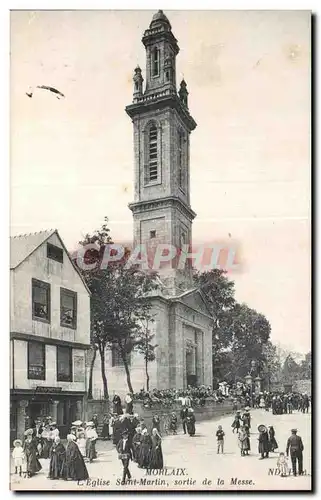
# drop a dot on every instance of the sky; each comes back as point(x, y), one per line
point(248, 76)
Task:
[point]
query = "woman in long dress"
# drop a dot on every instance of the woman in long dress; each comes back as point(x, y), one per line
point(91, 436)
point(190, 422)
point(105, 429)
point(117, 408)
point(156, 454)
point(30, 450)
point(263, 443)
point(136, 443)
point(273, 445)
point(243, 441)
point(75, 467)
point(57, 460)
point(144, 452)
point(46, 442)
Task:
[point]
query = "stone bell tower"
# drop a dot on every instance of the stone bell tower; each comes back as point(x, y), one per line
point(162, 126)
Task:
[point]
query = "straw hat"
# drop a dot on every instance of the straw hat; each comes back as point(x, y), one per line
point(28, 432)
point(16, 442)
point(89, 424)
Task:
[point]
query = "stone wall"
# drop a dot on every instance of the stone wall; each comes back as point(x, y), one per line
point(209, 411)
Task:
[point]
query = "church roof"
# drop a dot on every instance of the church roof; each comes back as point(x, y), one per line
point(160, 17)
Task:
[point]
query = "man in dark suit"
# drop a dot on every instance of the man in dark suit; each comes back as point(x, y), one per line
point(295, 446)
point(124, 449)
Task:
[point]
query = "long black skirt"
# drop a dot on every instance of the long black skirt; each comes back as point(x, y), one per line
point(156, 458)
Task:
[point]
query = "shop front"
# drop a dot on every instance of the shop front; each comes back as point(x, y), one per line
point(27, 405)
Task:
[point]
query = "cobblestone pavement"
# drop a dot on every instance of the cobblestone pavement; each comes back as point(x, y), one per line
point(197, 458)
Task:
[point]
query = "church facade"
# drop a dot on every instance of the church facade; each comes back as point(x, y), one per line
point(162, 215)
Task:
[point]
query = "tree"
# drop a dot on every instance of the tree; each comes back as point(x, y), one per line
point(93, 352)
point(271, 367)
point(251, 332)
point(306, 367)
point(145, 347)
point(99, 337)
point(119, 301)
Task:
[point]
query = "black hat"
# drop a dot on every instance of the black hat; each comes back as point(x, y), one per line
point(125, 433)
point(294, 430)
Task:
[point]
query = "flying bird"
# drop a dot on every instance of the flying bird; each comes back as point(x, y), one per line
point(45, 87)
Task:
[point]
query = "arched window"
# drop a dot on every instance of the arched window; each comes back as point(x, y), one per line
point(155, 62)
point(152, 173)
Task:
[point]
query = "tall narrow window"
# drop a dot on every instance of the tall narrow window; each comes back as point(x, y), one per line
point(152, 155)
point(40, 301)
point(155, 62)
point(68, 308)
point(180, 160)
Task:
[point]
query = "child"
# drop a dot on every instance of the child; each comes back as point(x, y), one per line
point(220, 439)
point(282, 465)
point(173, 423)
point(237, 422)
point(18, 456)
point(81, 442)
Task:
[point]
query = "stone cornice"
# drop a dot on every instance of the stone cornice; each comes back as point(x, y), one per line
point(161, 100)
point(168, 202)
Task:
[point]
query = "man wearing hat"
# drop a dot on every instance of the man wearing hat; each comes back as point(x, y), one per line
point(295, 446)
point(124, 450)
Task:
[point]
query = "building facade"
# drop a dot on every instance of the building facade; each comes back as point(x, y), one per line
point(162, 215)
point(49, 333)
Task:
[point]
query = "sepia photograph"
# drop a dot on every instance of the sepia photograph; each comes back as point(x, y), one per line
point(160, 250)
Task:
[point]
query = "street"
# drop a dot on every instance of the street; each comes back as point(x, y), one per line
point(192, 463)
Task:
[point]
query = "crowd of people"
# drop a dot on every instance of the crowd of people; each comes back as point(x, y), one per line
point(192, 396)
point(42, 441)
point(134, 440)
point(279, 402)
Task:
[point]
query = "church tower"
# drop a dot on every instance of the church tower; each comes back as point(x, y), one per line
point(162, 125)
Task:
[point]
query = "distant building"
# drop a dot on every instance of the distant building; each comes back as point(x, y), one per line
point(49, 331)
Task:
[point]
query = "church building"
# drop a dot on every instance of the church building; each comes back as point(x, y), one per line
point(162, 214)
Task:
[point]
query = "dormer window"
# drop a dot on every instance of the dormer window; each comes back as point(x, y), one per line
point(155, 62)
point(55, 253)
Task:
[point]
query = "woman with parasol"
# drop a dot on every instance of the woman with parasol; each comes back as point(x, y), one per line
point(263, 442)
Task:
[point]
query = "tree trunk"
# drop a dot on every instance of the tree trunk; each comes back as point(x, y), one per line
point(147, 375)
point(103, 371)
point(124, 358)
point(91, 369)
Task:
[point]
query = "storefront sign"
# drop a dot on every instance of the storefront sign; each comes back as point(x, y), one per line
point(48, 389)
